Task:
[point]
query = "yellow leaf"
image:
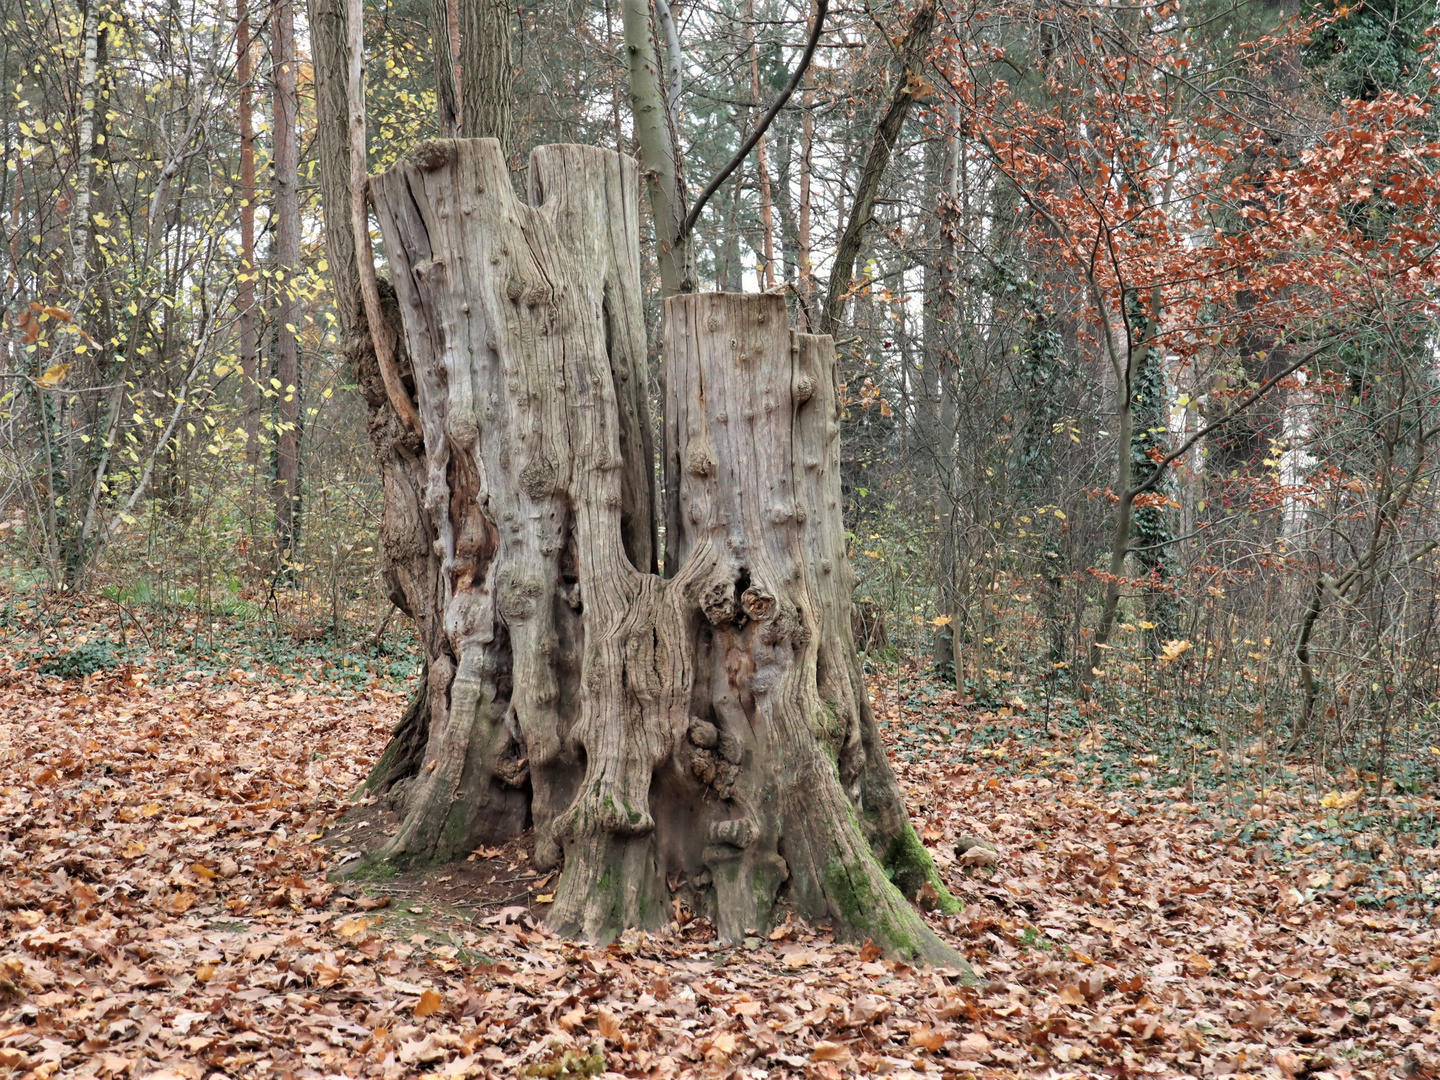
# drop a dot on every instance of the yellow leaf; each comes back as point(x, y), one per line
point(428, 1005)
point(54, 375)
point(942, 620)
point(1173, 650)
point(545, 898)
point(1335, 800)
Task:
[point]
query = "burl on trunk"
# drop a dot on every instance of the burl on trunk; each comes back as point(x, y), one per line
point(705, 734)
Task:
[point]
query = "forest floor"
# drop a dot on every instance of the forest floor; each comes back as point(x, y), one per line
point(166, 836)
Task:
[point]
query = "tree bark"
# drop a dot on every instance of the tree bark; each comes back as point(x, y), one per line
point(485, 71)
point(287, 265)
point(409, 565)
point(703, 737)
point(245, 280)
point(663, 180)
point(444, 34)
point(762, 157)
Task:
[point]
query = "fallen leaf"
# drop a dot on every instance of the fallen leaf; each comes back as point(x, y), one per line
point(354, 926)
point(1287, 1062)
point(974, 1046)
point(927, 1038)
point(1072, 995)
point(830, 1051)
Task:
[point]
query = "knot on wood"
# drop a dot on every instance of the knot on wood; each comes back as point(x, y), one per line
point(717, 601)
point(704, 734)
point(517, 595)
point(513, 772)
point(537, 479)
point(714, 771)
point(432, 154)
point(462, 432)
point(757, 603)
point(737, 832)
point(700, 459)
point(804, 389)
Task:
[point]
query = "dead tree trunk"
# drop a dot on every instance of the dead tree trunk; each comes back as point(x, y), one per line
point(703, 736)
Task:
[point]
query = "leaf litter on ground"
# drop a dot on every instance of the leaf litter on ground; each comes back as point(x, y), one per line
point(166, 910)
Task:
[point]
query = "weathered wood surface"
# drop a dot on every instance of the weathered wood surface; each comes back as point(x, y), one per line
point(753, 426)
point(703, 736)
point(524, 328)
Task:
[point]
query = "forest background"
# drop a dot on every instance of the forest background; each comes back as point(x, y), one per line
point(1138, 347)
point(1134, 306)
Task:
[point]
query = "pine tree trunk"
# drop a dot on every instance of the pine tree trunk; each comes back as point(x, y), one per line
point(705, 736)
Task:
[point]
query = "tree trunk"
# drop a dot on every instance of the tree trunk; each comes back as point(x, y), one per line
point(287, 265)
point(444, 39)
point(245, 280)
point(805, 270)
point(485, 71)
point(941, 313)
point(762, 159)
point(663, 179)
point(409, 564)
point(703, 737)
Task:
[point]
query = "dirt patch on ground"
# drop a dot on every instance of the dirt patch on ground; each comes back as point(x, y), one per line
point(488, 881)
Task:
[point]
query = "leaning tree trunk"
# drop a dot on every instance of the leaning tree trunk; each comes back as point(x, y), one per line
point(704, 736)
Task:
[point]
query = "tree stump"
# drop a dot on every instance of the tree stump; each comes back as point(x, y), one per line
point(702, 737)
